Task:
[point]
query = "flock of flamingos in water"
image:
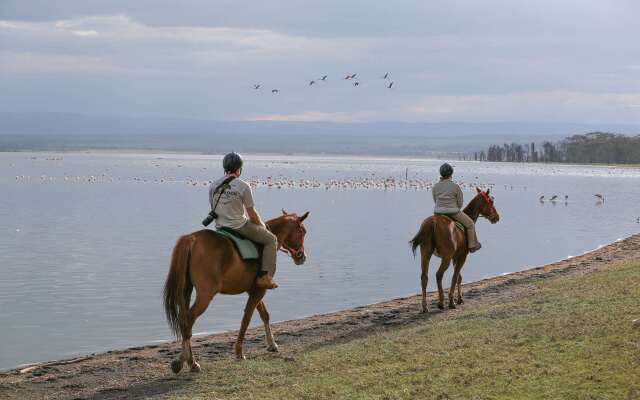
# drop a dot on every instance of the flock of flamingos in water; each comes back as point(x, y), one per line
point(281, 182)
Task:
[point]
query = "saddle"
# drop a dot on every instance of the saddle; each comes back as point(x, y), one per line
point(247, 249)
point(458, 224)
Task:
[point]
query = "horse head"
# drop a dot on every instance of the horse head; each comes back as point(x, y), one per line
point(291, 233)
point(486, 208)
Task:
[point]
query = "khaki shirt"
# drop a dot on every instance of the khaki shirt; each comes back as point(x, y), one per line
point(448, 197)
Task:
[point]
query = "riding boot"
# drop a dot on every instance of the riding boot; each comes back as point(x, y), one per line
point(264, 281)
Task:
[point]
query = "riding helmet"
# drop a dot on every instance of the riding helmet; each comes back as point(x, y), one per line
point(446, 170)
point(232, 162)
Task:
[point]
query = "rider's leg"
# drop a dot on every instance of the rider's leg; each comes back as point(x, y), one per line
point(470, 227)
point(268, 240)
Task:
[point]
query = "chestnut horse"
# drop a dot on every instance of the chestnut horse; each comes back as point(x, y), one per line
point(211, 264)
point(439, 234)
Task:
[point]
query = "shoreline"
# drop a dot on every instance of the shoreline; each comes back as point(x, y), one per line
point(86, 355)
point(127, 373)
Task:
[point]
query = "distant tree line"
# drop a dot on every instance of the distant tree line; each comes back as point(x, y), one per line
point(591, 148)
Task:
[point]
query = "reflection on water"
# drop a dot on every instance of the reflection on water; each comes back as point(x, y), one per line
point(86, 239)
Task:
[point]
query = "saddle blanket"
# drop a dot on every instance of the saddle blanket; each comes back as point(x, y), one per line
point(247, 249)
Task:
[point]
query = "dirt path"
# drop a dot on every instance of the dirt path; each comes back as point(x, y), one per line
point(140, 372)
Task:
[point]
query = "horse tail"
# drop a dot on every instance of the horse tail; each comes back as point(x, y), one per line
point(175, 293)
point(424, 235)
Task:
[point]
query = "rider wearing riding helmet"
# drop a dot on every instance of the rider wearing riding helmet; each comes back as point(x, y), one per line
point(448, 198)
point(236, 211)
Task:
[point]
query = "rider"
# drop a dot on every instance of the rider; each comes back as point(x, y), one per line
point(236, 211)
point(448, 198)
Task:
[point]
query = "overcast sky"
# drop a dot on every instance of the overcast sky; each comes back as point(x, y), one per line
point(450, 60)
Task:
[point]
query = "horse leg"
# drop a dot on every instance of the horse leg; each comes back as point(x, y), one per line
point(425, 254)
point(461, 262)
point(459, 300)
point(203, 298)
point(252, 302)
point(264, 315)
point(443, 267)
point(454, 283)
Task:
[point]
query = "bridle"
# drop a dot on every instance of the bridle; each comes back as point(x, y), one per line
point(293, 253)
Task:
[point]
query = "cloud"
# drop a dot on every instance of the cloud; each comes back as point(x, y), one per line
point(454, 59)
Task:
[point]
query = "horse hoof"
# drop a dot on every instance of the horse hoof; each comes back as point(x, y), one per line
point(195, 367)
point(241, 357)
point(176, 365)
point(441, 306)
point(425, 311)
point(459, 301)
point(273, 349)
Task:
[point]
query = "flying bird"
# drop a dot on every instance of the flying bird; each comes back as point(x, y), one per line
point(257, 86)
point(324, 78)
point(599, 196)
point(356, 83)
point(275, 91)
point(311, 83)
point(554, 197)
point(541, 199)
point(389, 86)
point(385, 76)
point(350, 76)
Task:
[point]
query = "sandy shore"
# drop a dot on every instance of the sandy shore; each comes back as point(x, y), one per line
point(139, 372)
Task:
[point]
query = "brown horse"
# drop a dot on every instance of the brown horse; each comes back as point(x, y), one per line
point(211, 264)
point(439, 234)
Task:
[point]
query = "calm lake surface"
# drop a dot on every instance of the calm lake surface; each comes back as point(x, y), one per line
point(85, 239)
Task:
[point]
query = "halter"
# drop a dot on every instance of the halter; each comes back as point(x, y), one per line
point(293, 253)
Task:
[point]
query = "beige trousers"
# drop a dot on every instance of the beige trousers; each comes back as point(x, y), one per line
point(263, 236)
point(468, 223)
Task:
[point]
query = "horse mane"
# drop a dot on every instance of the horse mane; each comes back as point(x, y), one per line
point(472, 209)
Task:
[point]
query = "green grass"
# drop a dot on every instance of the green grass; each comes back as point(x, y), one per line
point(569, 338)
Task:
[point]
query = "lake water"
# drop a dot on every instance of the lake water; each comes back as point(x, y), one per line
point(86, 238)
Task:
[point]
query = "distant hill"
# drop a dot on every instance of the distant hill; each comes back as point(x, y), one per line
point(58, 131)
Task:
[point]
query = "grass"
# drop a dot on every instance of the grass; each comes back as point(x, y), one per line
point(567, 338)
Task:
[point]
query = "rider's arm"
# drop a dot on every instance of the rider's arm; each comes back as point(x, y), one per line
point(459, 198)
point(252, 213)
point(254, 217)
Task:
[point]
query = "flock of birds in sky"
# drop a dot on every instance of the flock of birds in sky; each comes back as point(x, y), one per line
point(353, 78)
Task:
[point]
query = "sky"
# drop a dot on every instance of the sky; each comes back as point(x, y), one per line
point(453, 60)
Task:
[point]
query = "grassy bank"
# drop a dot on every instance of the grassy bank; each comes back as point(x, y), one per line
point(563, 338)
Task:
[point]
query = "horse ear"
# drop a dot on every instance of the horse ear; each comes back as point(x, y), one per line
point(303, 217)
point(478, 190)
point(488, 190)
point(284, 212)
